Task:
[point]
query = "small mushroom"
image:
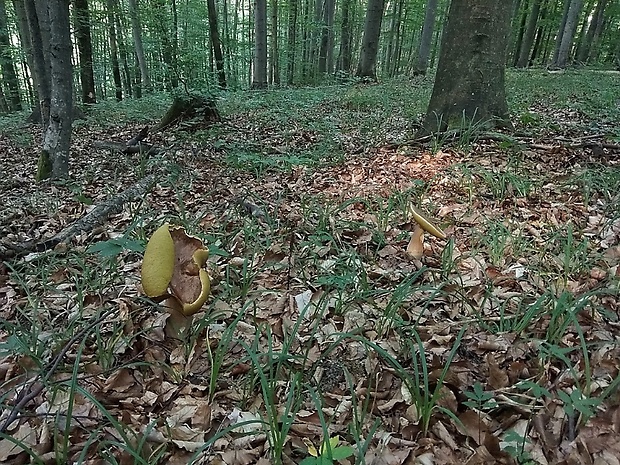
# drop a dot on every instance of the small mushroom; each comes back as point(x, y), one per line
point(173, 269)
point(415, 248)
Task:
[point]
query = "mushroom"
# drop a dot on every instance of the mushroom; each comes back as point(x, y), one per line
point(415, 248)
point(173, 269)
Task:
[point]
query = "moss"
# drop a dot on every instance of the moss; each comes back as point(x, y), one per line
point(44, 167)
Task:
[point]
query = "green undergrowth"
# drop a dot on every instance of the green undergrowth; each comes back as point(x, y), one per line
point(314, 301)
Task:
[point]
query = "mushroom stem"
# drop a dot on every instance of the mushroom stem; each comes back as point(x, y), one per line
point(178, 324)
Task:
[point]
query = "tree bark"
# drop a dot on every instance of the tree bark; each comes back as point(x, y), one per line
point(572, 19)
point(291, 41)
point(344, 55)
point(116, 70)
point(274, 63)
point(136, 31)
point(57, 139)
point(85, 50)
point(561, 29)
point(583, 53)
point(24, 39)
point(259, 76)
point(366, 67)
point(7, 65)
point(327, 38)
point(216, 43)
point(426, 39)
point(528, 36)
point(469, 86)
point(41, 67)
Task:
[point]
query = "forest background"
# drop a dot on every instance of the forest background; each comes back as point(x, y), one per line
point(305, 144)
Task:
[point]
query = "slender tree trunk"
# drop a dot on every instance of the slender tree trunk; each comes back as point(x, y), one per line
point(470, 82)
point(259, 76)
point(426, 39)
point(520, 33)
point(528, 36)
point(274, 65)
point(85, 50)
point(116, 70)
point(344, 55)
point(216, 43)
point(327, 38)
point(24, 39)
point(54, 159)
point(136, 31)
point(540, 34)
point(41, 67)
point(122, 52)
point(568, 35)
point(594, 29)
point(291, 41)
point(366, 67)
point(562, 28)
point(7, 65)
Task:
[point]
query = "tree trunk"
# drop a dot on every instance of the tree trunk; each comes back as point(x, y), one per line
point(57, 140)
point(274, 65)
point(136, 30)
point(561, 29)
point(344, 55)
point(528, 36)
point(85, 50)
point(291, 42)
point(366, 67)
point(6, 63)
point(41, 67)
point(469, 85)
point(116, 70)
point(259, 76)
point(572, 19)
point(216, 43)
point(595, 26)
point(426, 39)
point(327, 38)
point(520, 33)
point(24, 39)
point(540, 34)
point(122, 51)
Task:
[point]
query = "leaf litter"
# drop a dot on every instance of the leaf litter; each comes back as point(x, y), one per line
point(496, 345)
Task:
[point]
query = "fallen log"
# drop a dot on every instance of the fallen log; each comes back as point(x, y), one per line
point(85, 224)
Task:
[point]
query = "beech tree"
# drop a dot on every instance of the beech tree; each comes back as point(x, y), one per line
point(85, 50)
point(7, 65)
point(469, 84)
point(259, 75)
point(54, 156)
point(366, 67)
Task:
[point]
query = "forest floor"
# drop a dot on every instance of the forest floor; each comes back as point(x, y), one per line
point(326, 334)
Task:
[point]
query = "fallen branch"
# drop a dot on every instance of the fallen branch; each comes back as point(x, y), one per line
point(88, 222)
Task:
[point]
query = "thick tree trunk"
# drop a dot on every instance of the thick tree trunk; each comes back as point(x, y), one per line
point(259, 76)
point(528, 36)
point(85, 50)
point(216, 43)
point(136, 31)
point(568, 35)
point(57, 139)
point(366, 67)
point(426, 39)
point(291, 42)
point(7, 65)
point(469, 85)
